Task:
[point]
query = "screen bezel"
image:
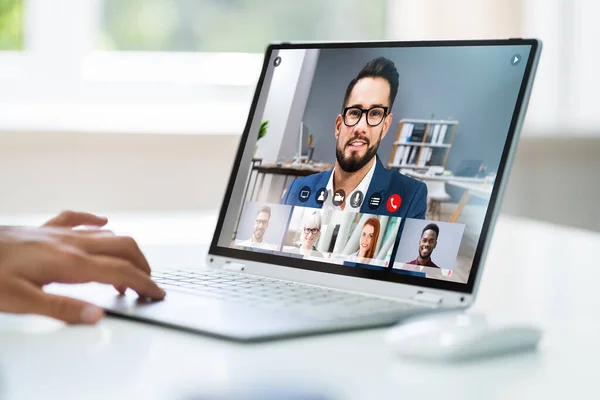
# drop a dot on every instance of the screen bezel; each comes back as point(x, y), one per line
point(384, 274)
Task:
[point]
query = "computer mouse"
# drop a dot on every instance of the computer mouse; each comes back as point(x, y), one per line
point(454, 336)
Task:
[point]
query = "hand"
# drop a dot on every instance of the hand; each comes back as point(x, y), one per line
point(33, 257)
point(71, 219)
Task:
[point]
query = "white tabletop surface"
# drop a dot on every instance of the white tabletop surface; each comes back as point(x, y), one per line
point(483, 190)
point(535, 272)
point(445, 178)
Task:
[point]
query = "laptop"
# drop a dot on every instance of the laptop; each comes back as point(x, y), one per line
point(345, 240)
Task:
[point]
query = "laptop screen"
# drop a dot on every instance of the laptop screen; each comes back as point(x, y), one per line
point(376, 160)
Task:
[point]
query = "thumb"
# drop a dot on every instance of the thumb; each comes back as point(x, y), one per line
point(69, 310)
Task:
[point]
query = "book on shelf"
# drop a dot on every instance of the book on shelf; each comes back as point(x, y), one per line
point(437, 156)
point(399, 156)
point(406, 132)
point(424, 157)
point(406, 156)
point(442, 134)
point(418, 133)
point(414, 151)
point(435, 135)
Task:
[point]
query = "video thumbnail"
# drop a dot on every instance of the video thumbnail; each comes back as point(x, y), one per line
point(262, 226)
point(429, 248)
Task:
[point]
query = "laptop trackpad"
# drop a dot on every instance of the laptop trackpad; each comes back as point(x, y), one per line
point(186, 311)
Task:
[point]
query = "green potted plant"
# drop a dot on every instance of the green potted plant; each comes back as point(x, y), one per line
point(261, 133)
point(263, 129)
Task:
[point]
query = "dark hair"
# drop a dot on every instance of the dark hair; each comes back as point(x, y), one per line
point(432, 227)
point(265, 209)
point(379, 67)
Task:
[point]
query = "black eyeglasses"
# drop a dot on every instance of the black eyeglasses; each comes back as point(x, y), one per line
point(314, 231)
point(374, 115)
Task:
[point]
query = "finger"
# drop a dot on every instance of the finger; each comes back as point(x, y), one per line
point(120, 289)
point(111, 245)
point(70, 310)
point(124, 274)
point(71, 219)
point(78, 267)
point(93, 231)
point(29, 299)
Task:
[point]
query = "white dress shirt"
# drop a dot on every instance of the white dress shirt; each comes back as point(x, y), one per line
point(363, 187)
point(258, 245)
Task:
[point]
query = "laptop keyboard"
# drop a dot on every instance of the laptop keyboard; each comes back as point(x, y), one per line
point(265, 293)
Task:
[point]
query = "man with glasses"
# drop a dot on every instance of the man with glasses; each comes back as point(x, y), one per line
point(261, 223)
point(359, 182)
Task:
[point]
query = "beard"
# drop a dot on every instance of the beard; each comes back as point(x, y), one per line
point(423, 256)
point(353, 162)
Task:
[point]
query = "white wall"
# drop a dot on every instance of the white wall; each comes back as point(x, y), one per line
point(556, 180)
point(284, 109)
point(106, 172)
point(279, 103)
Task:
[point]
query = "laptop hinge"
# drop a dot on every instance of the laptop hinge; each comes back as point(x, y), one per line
point(232, 266)
point(429, 298)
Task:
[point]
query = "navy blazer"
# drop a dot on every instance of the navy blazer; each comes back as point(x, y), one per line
point(386, 182)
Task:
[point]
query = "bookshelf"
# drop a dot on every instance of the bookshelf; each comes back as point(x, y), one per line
point(422, 143)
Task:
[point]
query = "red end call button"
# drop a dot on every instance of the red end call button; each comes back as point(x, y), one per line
point(393, 203)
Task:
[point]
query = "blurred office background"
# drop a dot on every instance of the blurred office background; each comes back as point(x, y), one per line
point(122, 105)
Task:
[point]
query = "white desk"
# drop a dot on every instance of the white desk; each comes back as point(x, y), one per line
point(535, 272)
point(473, 186)
point(481, 190)
point(443, 178)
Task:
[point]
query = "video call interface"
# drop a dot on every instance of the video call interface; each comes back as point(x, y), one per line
point(376, 158)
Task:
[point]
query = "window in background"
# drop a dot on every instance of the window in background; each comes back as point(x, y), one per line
point(236, 25)
point(564, 98)
point(11, 25)
point(89, 59)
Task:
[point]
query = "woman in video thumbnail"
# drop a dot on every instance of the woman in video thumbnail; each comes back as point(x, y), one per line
point(310, 234)
point(311, 229)
point(368, 240)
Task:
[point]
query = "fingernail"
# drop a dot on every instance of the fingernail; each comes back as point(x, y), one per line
point(91, 314)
